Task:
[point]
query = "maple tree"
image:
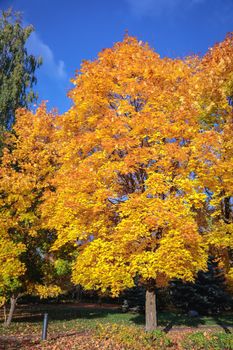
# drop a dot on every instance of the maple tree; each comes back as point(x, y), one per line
point(28, 164)
point(132, 183)
point(127, 195)
point(216, 87)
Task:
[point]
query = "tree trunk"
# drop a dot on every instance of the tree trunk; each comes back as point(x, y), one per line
point(4, 312)
point(151, 313)
point(11, 312)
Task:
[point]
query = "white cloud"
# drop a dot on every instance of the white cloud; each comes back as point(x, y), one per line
point(51, 67)
point(156, 7)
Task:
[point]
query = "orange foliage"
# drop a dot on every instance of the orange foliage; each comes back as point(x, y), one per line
point(126, 190)
point(137, 175)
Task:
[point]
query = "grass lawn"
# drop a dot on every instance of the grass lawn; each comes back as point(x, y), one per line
point(75, 317)
point(70, 319)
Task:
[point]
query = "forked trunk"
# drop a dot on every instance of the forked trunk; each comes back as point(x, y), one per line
point(151, 312)
point(11, 312)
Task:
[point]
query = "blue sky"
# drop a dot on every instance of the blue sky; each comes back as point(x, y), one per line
point(67, 32)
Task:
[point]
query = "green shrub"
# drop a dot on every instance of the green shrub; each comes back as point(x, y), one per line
point(208, 341)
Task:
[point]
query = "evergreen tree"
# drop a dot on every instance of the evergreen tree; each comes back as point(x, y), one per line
point(206, 295)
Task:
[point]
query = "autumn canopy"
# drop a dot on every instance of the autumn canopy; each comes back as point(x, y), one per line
point(135, 180)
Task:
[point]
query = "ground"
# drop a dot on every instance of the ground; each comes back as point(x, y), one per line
point(73, 326)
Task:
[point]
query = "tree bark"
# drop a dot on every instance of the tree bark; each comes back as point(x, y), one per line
point(151, 312)
point(4, 312)
point(11, 312)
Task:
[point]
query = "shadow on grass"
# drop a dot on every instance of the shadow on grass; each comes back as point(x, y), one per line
point(224, 324)
point(167, 320)
point(65, 314)
point(170, 320)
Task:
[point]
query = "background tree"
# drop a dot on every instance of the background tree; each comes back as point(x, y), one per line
point(28, 165)
point(128, 148)
point(11, 268)
point(216, 117)
point(17, 67)
point(207, 294)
